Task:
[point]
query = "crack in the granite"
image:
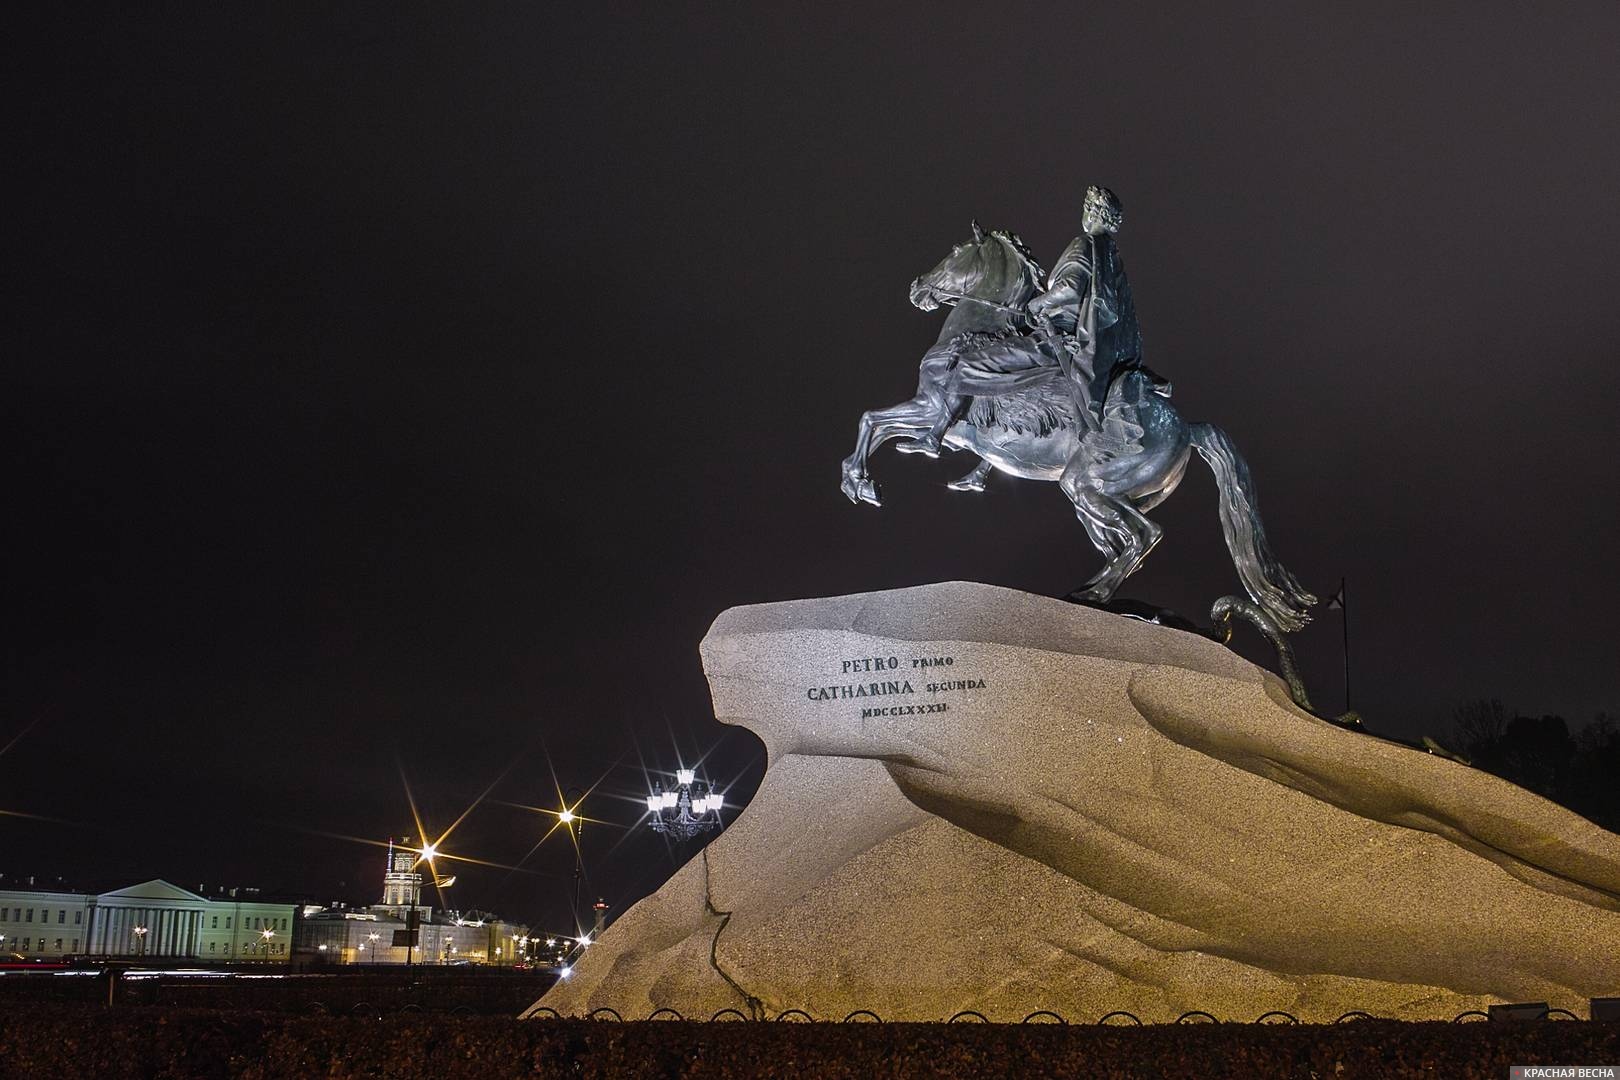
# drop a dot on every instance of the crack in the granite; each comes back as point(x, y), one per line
point(756, 1007)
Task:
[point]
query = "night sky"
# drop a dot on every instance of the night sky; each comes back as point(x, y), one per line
point(403, 395)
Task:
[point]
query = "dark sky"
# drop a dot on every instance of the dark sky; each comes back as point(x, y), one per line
point(387, 391)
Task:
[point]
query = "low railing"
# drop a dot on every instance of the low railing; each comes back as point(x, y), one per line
point(1040, 1016)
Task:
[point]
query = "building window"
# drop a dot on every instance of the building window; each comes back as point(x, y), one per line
point(78, 917)
point(61, 916)
point(30, 915)
point(215, 926)
point(58, 944)
point(227, 922)
point(75, 944)
point(213, 945)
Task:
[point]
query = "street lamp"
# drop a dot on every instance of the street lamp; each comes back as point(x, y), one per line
point(686, 810)
point(264, 941)
point(373, 939)
point(569, 817)
point(140, 939)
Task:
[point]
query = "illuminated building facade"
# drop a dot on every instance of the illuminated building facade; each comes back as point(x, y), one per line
point(379, 933)
point(153, 919)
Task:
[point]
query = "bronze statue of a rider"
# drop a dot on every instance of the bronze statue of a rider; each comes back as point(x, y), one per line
point(1085, 330)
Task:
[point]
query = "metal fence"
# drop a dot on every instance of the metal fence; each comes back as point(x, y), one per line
point(1040, 1016)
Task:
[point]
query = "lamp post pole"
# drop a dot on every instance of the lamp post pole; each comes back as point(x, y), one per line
point(576, 826)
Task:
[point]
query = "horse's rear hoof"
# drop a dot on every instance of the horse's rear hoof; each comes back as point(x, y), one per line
point(869, 493)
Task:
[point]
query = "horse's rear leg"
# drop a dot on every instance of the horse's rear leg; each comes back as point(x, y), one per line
point(1116, 528)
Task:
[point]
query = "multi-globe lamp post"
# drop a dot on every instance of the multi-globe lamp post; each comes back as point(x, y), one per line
point(687, 809)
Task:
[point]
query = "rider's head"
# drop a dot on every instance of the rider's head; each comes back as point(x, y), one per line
point(1102, 212)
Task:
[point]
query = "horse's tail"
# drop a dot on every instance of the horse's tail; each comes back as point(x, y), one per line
point(1266, 580)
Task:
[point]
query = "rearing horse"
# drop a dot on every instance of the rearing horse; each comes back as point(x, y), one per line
point(1113, 474)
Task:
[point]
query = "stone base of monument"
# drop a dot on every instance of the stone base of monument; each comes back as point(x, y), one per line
point(979, 799)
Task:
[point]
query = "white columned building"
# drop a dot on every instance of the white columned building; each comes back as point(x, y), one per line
point(153, 919)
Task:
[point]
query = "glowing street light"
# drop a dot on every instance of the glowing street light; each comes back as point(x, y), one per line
point(686, 810)
point(140, 938)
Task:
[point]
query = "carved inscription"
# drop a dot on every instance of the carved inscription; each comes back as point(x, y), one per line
point(894, 676)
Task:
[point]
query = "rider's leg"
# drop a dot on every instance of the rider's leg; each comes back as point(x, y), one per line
point(950, 408)
point(973, 481)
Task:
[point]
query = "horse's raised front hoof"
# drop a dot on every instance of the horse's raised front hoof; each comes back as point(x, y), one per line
point(918, 446)
point(858, 489)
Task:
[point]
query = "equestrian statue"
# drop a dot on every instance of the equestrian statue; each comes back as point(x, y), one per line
point(1042, 377)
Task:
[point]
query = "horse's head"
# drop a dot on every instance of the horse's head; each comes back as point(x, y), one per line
point(993, 266)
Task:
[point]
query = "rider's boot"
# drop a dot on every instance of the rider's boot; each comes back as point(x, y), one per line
point(929, 443)
point(973, 481)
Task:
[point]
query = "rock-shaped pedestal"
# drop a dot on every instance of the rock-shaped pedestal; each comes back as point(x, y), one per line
point(982, 799)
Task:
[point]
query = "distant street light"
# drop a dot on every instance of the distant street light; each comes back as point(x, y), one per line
point(373, 939)
point(140, 939)
point(264, 941)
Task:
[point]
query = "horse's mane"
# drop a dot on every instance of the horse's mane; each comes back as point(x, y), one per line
point(1034, 275)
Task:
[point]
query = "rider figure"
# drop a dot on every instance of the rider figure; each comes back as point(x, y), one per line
point(1089, 331)
point(1088, 301)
